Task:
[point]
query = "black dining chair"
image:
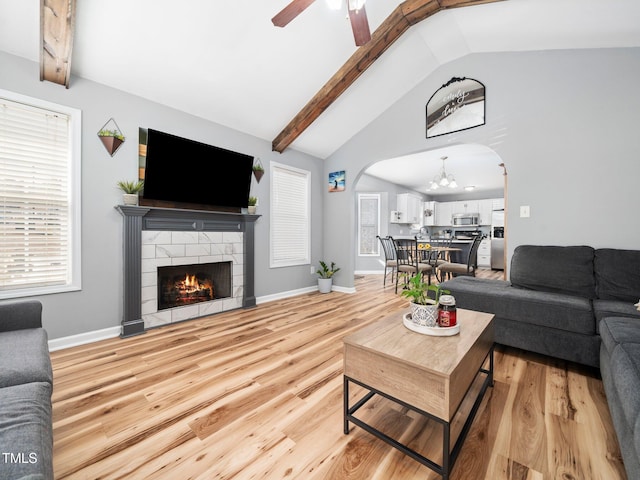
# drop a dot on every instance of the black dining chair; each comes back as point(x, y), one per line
point(409, 260)
point(390, 261)
point(462, 269)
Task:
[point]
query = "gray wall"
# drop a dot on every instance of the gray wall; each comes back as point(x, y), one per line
point(565, 123)
point(99, 304)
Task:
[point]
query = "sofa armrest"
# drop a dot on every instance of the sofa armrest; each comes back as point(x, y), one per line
point(18, 315)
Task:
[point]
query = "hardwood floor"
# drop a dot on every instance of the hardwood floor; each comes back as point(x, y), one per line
point(257, 394)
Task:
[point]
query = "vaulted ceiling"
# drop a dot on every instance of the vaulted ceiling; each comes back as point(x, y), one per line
point(226, 62)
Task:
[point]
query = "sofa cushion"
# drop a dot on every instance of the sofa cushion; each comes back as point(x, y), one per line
point(24, 357)
point(617, 330)
point(564, 312)
point(566, 270)
point(617, 274)
point(625, 369)
point(26, 439)
point(614, 308)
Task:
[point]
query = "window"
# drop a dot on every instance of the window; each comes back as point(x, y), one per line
point(290, 216)
point(368, 224)
point(39, 196)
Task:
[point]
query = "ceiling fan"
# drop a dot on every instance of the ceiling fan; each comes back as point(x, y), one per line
point(357, 16)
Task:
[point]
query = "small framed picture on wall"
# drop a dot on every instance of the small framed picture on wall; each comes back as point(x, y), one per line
point(337, 181)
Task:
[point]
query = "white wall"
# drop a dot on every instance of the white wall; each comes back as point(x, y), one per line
point(565, 123)
point(99, 305)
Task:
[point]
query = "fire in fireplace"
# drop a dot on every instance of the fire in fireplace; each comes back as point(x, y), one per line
point(188, 284)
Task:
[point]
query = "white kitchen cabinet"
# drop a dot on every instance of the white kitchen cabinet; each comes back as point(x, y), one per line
point(444, 210)
point(497, 204)
point(484, 253)
point(465, 206)
point(485, 207)
point(429, 212)
point(409, 207)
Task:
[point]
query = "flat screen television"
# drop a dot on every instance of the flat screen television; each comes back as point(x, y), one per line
point(183, 173)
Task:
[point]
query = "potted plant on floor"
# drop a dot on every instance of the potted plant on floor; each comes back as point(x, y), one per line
point(424, 310)
point(130, 191)
point(325, 280)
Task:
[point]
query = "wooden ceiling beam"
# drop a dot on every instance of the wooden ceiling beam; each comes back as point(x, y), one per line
point(403, 16)
point(57, 23)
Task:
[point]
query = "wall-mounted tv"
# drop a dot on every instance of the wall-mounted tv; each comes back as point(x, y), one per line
point(184, 173)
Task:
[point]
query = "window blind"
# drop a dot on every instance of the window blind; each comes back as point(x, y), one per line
point(35, 194)
point(290, 216)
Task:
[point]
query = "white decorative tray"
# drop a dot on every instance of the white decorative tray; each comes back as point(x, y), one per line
point(433, 331)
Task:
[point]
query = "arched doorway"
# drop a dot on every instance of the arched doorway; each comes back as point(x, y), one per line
point(477, 171)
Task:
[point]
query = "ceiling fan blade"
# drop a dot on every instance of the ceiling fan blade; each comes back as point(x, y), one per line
point(360, 26)
point(291, 11)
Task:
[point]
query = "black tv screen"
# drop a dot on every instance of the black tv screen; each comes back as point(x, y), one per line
point(195, 174)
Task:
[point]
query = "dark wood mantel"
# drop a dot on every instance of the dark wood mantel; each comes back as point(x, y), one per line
point(137, 219)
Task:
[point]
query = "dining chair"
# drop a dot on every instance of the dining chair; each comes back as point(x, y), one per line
point(408, 259)
point(462, 269)
point(390, 261)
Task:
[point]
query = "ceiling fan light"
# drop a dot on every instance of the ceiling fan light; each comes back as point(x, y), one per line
point(334, 4)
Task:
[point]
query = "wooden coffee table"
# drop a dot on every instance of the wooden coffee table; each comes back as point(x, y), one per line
point(429, 375)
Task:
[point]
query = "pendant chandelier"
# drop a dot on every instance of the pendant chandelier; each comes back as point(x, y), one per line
point(444, 179)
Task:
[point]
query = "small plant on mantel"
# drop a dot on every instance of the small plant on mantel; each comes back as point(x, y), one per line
point(251, 205)
point(131, 187)
point(130, 190)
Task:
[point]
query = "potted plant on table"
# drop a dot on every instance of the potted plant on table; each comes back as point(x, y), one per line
point(424, 310)
point(325, 280)
point(130, 191)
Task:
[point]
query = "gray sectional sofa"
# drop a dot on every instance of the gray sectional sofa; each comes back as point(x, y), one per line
point(574, 303)
point(26, 382)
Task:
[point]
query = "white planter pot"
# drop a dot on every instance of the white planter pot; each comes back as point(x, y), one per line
point(130, 198)
point(424, 315)
point(324, 285)
point(251, 209)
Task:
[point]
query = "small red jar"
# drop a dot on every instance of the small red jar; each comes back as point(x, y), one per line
point(447, 311)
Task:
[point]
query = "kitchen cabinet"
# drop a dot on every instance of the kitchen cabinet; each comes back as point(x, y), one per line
point(484, 253)
point(429, 210)
point(444, 210)
point(485, 208)
point(465, 206)
point(409, 208)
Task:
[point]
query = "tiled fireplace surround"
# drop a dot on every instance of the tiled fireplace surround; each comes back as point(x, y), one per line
point(156, 237)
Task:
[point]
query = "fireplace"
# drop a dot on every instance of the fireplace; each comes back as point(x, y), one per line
point(188, 284)
point(163, 237)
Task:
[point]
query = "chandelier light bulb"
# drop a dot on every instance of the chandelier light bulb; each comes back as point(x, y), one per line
point(334, 4)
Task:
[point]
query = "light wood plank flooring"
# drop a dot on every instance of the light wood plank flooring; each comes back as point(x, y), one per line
point(257, 394)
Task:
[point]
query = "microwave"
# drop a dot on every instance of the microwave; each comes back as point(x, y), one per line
point(465, 220)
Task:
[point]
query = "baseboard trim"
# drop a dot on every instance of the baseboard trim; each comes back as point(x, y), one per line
point(287, 294)
point(113, 332)
point(84, 338)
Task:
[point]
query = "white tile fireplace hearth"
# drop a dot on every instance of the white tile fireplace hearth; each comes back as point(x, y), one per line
point(155, 237)
point(167, 248)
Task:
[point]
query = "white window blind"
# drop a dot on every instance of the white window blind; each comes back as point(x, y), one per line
point(39, 223)
point(290, 216)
